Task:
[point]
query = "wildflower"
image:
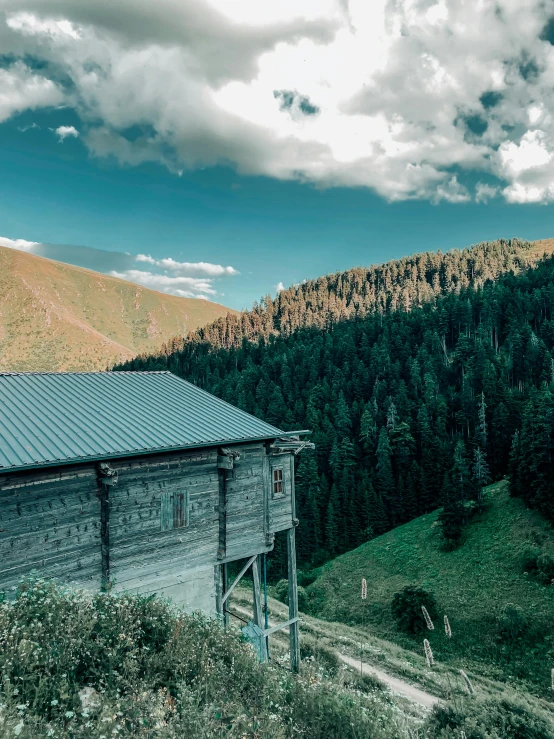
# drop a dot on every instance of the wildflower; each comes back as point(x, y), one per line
point(427, 617)
point(467, 681)
point(428, 653)
point(364, 588)
point(447, 629)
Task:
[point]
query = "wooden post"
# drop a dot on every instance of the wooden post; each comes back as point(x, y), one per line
point(258, 611)
point(294, 630)
point(218, 592)
point(224, 586)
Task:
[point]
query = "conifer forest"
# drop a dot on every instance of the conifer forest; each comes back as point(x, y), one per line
point(421, 380)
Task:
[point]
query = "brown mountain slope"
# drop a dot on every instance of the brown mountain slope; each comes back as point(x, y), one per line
point(54, 316)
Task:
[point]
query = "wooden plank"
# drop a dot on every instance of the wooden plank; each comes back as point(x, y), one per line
point(237, 579)
point(105, 533)
point(257, 600)
point(224, 586)
point(278, 627)
point(294, 634)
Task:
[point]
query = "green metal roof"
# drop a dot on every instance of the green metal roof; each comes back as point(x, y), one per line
point(58, 418)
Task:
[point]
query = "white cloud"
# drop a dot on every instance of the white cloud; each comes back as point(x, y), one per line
point(20, 244)
point(190, 287)
point(30, 127)
point(452, 192)
point(188, 268)
point(22, 89)
point(484, 192)
point(388, 94)
point(64, 131)
point(279, 287)
point(185, 279)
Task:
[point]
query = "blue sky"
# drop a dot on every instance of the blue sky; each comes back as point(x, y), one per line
point(255, 173)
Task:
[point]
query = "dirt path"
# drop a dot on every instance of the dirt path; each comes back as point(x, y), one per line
point(394, 683)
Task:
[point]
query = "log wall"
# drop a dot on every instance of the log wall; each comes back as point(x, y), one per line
point(50, 523)
point(168, 521)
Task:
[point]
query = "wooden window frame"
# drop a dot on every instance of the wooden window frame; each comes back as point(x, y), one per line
point(278, 482)
point(174, 510)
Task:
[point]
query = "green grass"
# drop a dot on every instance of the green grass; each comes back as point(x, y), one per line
point(472, 585)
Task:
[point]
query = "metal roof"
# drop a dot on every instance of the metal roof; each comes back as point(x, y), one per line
point(58, 418)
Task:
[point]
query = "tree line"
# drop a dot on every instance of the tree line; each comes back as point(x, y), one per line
point(412, 405)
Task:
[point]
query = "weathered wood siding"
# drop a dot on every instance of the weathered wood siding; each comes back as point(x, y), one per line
point(280, 505)
point(168, 521)
point(245, 496)
point(148, 554)
point(50, 523)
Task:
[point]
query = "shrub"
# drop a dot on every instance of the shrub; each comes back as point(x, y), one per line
point(539, 564)
point(406, 608)
point(305, 578)
point(512, 623)
point(529, 558)
point(72, 665)
point(282, 593)
point(545, 568)
point(503, 718)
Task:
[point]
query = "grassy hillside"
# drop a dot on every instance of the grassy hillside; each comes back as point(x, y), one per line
point(93, 666)
point(54, 316)
point(472, 586)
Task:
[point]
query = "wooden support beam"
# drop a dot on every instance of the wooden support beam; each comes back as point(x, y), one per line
point(218, 591)
point(294, 632)
point(237, 579)
point(224, 586)
point(278, 627)
point(257, 599)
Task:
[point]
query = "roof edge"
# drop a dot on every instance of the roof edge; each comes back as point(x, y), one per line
point(145, 452)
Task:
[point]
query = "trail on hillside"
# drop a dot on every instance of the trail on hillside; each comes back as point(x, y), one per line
point(427, 700)
point(395, 684)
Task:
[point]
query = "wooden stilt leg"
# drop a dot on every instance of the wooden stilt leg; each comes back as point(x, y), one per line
point(293, 601)
point(258, 612)
point(224, 586)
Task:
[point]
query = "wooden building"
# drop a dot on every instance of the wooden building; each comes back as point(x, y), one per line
point(142, 481)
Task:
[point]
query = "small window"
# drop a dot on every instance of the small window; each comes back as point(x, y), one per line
point(278, 487)
point(173, 511)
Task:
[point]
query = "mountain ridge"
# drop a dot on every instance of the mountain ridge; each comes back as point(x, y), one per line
point(56, 316)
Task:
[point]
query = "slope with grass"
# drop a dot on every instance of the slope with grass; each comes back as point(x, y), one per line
point(54, 316)
point(472, 585)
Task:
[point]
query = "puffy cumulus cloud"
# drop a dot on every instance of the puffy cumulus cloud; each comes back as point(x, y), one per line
point(187, 287)
point(62, 132)
point(22, 89)
point(20, 244)
point(451, 191)
point(484, 192)
point(390, 94)
point(279, 287)
point(188, 268)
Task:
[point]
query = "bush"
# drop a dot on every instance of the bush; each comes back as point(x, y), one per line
point(406, 608)
point(503, 718)
point(72, 665)
point(545, 568)
point(539, 564)
point(512, 623)
point(305, 578)
point(282, 593)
